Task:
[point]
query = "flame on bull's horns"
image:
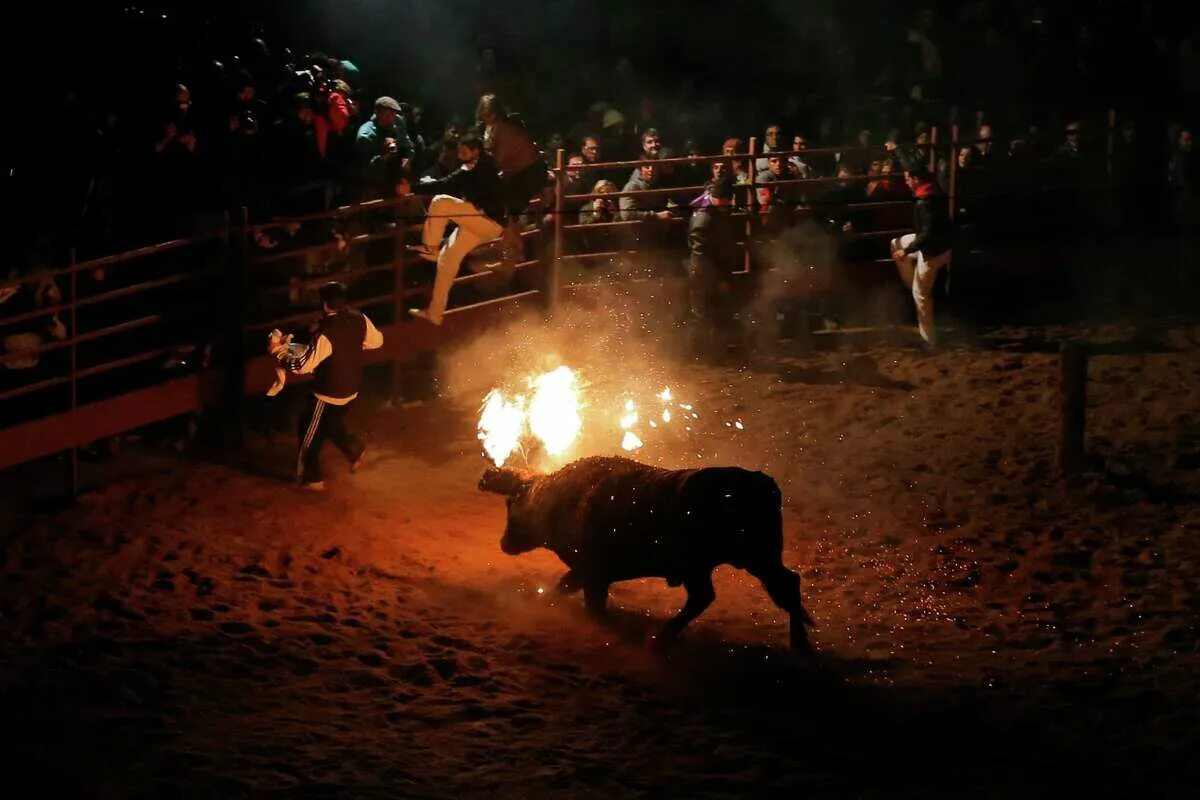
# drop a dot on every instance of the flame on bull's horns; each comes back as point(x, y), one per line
point(554, 410)
point(501, 424)
point(630, 441)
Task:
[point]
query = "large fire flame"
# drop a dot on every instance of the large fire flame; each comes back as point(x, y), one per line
point(501, 424)
point(550, 416)
point(554, 411)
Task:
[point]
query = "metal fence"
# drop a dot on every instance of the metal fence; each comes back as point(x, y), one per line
point(222, 291)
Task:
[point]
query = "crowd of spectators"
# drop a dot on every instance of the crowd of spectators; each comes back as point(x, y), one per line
point(284, 135)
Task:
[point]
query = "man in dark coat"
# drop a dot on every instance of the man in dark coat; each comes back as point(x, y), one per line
point(713, 255)
point(473, 198)
point(920, 256)
point(335, 360)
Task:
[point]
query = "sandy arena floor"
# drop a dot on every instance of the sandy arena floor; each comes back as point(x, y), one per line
point(987, 629)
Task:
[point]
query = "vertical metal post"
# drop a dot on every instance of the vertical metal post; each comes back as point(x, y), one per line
point(933, 142)
point(953, 170)
point(751, 203)
point(1073, 406)
point(73, 478)
point(554, 279)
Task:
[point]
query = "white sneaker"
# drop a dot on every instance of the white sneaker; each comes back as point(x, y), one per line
point(313, 486)
point(423, 313)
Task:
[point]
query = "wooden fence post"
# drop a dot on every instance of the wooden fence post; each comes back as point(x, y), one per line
point(73, 477)
point(1073, 408)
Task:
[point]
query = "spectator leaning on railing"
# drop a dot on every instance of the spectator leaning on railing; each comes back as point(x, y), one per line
point(599, 209)
point(644, 178)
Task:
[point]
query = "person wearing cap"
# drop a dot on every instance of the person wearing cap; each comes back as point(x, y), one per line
point(383, 145)
point(335, 360)
point(920, 256)
point(713, 255)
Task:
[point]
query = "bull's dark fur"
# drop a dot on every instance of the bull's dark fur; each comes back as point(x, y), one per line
point(613, 519)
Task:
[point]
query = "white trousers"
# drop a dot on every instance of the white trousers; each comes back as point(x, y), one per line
point(474, 228)
point(920, 274)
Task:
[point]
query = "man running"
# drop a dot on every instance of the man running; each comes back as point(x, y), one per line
point(335, 360)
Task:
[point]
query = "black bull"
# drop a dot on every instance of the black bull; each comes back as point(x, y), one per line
point(613, 519)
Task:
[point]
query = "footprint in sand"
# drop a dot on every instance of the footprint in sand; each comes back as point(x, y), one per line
point(417, 674)
point(372, 659)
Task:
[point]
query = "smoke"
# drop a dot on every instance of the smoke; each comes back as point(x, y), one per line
point(625, 346)
point(802, 261)
point(802, 258)
point(618, 334)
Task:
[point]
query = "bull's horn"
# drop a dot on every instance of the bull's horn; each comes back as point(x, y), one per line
point(504, 480)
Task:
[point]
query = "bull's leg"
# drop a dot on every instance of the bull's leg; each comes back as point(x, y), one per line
point(783, 586)
point(569, 583)
point(700, 594)
point(595, 597)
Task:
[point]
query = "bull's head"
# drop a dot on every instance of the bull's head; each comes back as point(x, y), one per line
point(521, 533)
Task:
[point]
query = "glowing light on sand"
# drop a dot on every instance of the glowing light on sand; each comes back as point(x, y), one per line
point(665, 395)
point(666, 415)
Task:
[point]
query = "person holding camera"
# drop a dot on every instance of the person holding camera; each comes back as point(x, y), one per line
point(383, 146)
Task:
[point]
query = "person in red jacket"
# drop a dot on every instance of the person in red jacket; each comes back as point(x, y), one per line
point(921, 255)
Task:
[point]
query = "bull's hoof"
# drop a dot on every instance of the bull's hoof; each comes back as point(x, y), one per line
point(803, 651)
point(568, 584)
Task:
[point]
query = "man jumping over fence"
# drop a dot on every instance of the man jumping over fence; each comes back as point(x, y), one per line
point(471, 197)
point(335, 360)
